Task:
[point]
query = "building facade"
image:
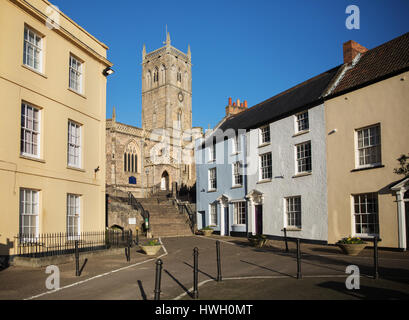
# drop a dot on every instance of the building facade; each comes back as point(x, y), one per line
point(52, 155)
point(160, 155)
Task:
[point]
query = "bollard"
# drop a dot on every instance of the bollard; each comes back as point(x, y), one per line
point(375, 256)
point(158, 278)
point(219, 270)
point(77, 259)
point(195, 273)
point(298, 259)
point(285, 239)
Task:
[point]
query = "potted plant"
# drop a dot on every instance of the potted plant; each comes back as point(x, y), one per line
point(207, 231)
point(151, 247)
point(352, 245)
point(257, 240)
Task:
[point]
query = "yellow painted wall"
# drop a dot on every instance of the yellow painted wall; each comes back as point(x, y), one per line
point(49, 91)
point(387, 103)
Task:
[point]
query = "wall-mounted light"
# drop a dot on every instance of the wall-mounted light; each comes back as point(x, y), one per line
point(96, 169)
point(332, 131)
point(107, 71)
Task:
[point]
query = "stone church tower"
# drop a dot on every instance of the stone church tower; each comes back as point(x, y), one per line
point(160, 155)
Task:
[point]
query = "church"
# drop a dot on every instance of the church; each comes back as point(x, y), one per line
point(160, 155)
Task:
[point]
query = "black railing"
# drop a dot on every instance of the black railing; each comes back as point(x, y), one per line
point(137, 206)
point(185, 209)
point(53, 244)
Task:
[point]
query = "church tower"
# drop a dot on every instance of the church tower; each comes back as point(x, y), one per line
point(166, 88)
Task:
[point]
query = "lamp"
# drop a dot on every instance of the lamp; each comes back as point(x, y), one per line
point(107, 71)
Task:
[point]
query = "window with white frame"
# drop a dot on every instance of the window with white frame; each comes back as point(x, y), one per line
point(73, 215)
point(237, 175)
point(32, 55)
point(304, 164)
point(212, 152)
point(293, 211)
point(239, 211)
point(29, 202)
point(302, 123)
point(266, 166)
point(368, 150)
point(74, 144)
point(213, 214)
point(30, 131)
point(366, 214)
point(237, 143)
point(75, 74)
point(265, 134)
point(212, 179)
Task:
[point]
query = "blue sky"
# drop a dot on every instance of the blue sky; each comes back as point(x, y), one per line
point(250, 50)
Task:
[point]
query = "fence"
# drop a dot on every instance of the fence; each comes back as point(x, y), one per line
point(53, 244)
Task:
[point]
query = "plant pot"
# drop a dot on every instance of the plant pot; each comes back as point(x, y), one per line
point(352, 249)
point(151, 250)
point(207, 233)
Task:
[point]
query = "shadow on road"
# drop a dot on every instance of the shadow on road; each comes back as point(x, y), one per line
point(206, 274)
point(269, 269)
point(143, 294)
point(179, 283)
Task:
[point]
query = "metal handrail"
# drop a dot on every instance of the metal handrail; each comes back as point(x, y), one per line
point(135, 204)
point(184, 208)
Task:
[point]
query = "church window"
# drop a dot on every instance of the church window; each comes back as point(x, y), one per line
point(156, 75)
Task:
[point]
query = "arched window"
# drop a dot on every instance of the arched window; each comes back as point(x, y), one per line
point(125, 158)
point(129, 162)
point(148, 80)
point(156, 75)
point(179, 76)
point(185, 81)
point(131, 158)
point(162, 74)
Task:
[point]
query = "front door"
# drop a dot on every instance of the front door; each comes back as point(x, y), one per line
point(259, 219)
point(226, 221)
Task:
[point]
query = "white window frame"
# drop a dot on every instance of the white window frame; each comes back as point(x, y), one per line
point(212, 152)
point(364, 205)
point(35, 45)
point(239, 212)
point(29, 131)
point(212, 179)
point(29, 208)
point(237, 174)
point(301, 157)
point(377, 146)
point(300, 119)
point(74, 144)
point(73, 216)
point(292, 215)
point(265, 138)
point(76, 74)
point(213, 214)
point(264, 169)
point(237, 143)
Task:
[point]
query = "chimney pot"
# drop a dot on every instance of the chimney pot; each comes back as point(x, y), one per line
point(229, 101)
point(351, 50)
point(245, 103)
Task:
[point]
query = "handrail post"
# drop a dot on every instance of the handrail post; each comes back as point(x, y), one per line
point(195, 272)
point(77, 259)
point(219, 270)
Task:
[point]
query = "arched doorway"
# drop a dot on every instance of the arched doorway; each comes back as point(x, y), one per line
point(164, 182)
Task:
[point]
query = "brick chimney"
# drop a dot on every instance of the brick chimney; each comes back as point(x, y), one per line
point(236, 107)
point(351, 50)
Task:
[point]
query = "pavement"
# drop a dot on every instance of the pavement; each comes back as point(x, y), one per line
point(248, 273)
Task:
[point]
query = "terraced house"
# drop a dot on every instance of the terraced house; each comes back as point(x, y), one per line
point(321, 156)
point(52, 151)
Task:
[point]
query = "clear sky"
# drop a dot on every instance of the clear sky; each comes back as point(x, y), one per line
point(246, 49)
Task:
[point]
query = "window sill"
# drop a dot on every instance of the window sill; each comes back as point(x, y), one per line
point(263, 181)
point(301, 133)
point(212, 190)
point(75, 168)
point(292, 229)
point(34, 158)
point(264, 144)
point(235, 153)
point(368, 168)
point(211, 161)
point(237, 186)
point(304, 174)
point(80, 94)
point(35, 71)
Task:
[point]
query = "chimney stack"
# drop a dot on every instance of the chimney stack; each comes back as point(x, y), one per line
point(351, 50)
point(236, 107)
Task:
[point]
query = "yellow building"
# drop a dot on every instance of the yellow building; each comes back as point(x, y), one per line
point(52, 126)
point(367, 125)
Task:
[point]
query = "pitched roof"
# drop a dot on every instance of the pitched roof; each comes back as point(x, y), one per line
point(376, 64)
point(306, 94)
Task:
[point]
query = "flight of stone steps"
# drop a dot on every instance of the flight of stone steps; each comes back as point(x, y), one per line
point(165, 219)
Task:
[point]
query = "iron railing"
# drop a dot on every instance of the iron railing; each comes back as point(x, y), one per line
point(137, 206)
point(185, 209)
point(53, 244)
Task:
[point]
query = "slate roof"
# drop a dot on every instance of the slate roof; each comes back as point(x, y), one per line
point(304, 95)
point(378, 63)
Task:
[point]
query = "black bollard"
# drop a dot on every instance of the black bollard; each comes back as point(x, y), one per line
point(375, 257)
point(77, 259)
point(219, 270)
point(195, 272)
point(158, 278)
point(285, 239)
point(299, 276)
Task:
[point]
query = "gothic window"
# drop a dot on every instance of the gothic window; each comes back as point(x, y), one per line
point(179, 120)
point(130, 160)
point(148, 80)
point(156, 75)
point(179, 76)
point(162, 74)
point(185, 81)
